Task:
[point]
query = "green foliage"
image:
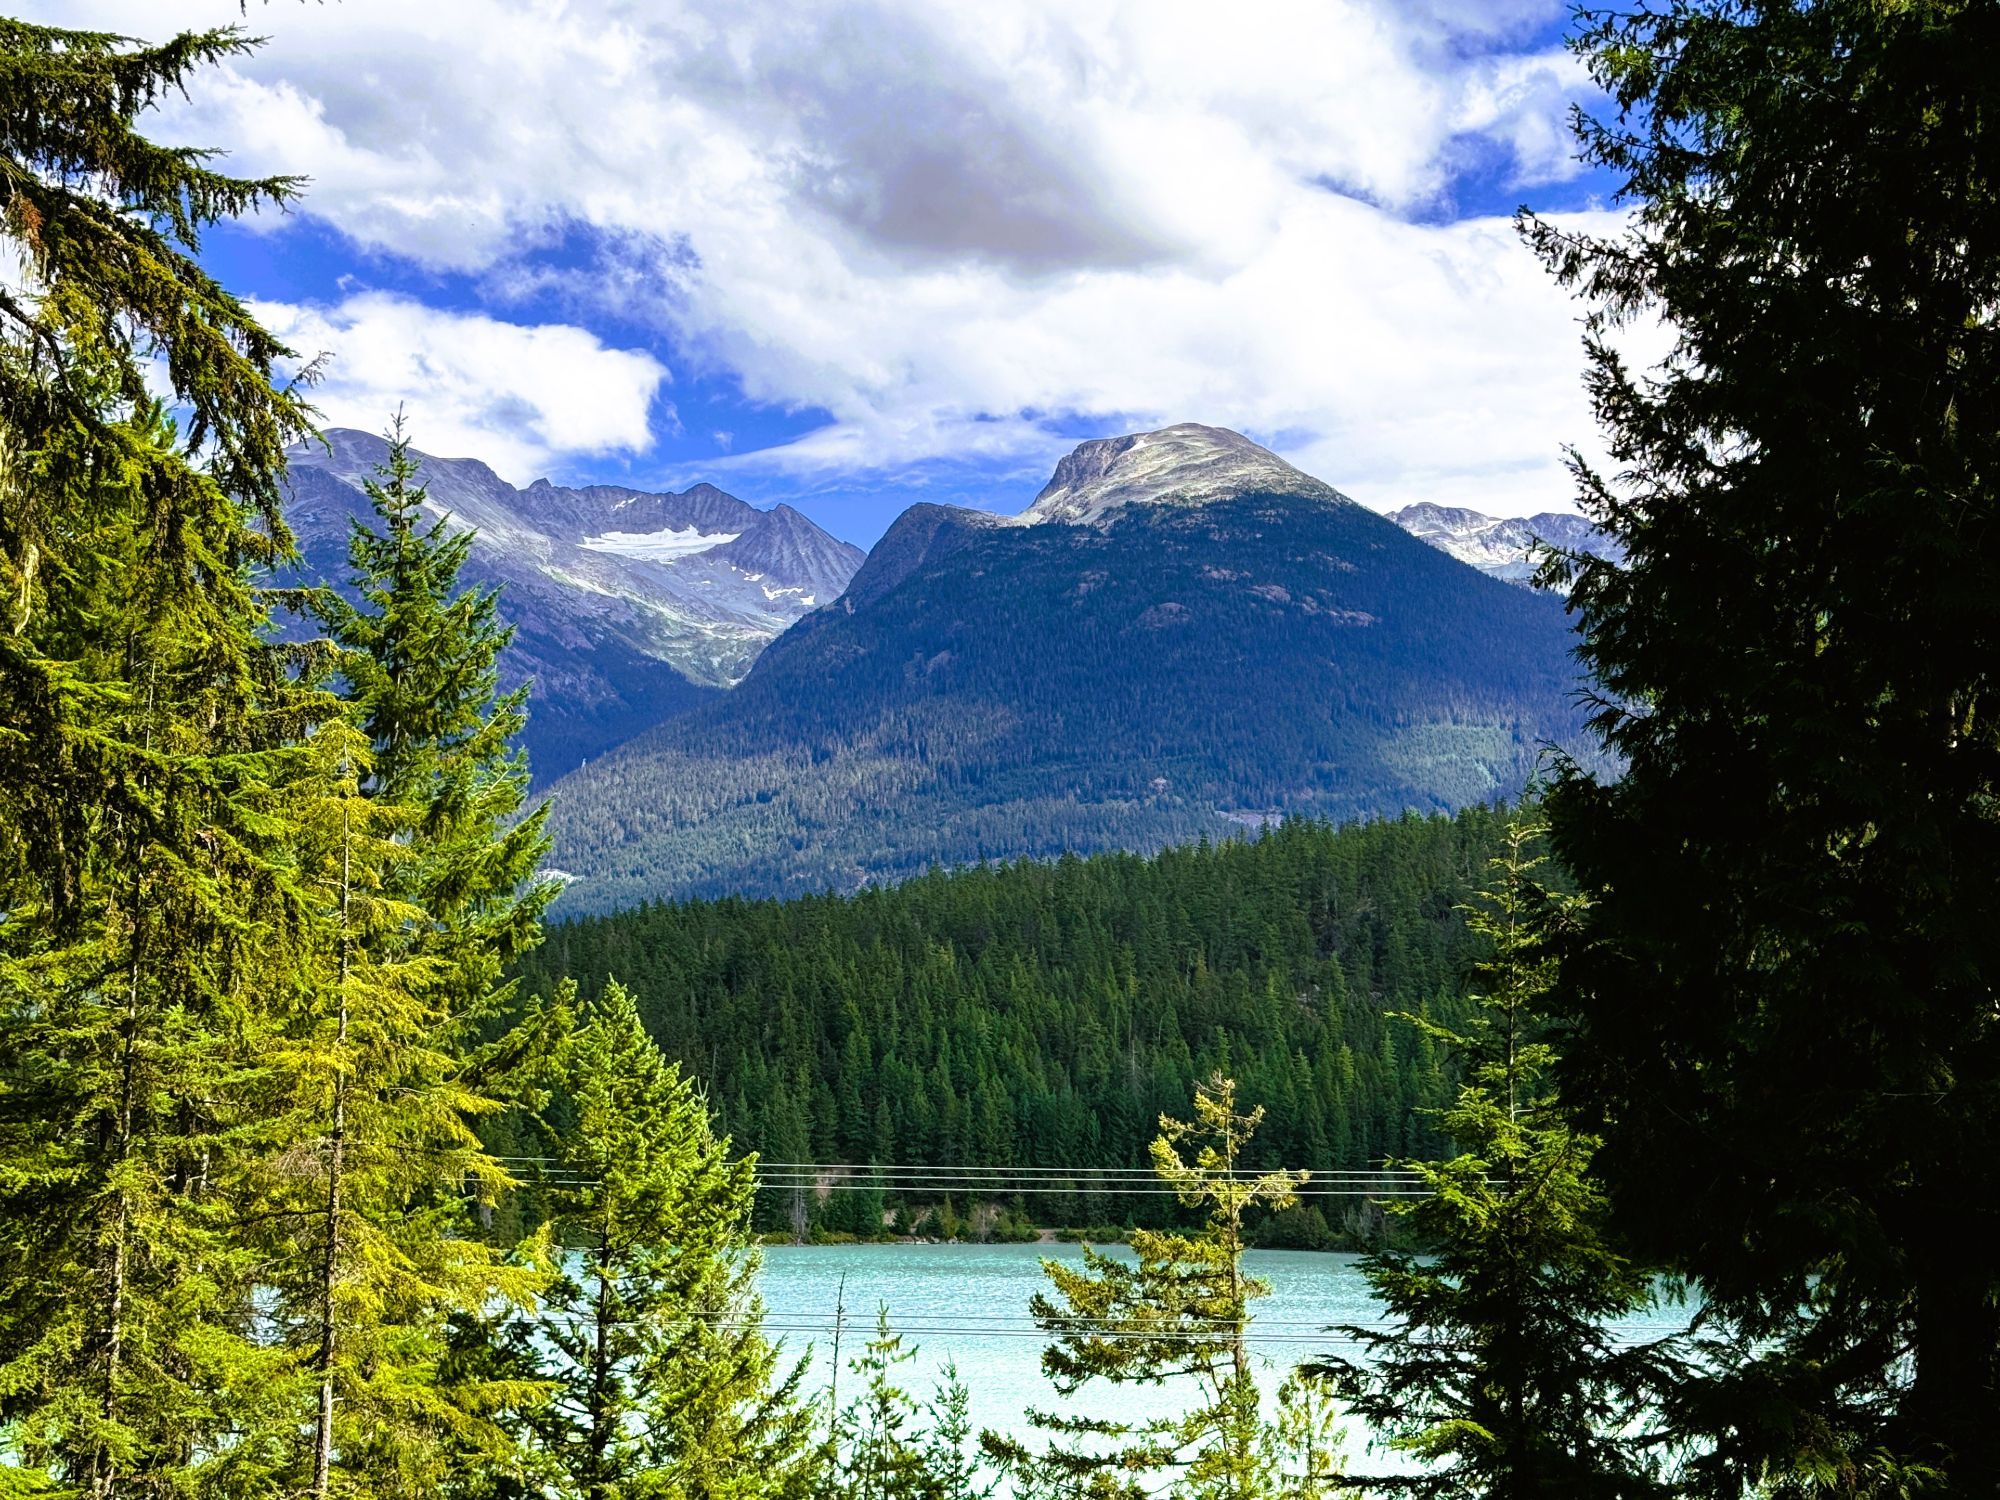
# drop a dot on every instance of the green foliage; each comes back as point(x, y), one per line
point(1180, 1311)
point(1035, 690)
point(1495, 1364)
point(146, 894)
point(886, 1447)
point(650, 1333)
point(420, 655)
point(252, 933)
point(1045, 1014)
point(1778, 1008)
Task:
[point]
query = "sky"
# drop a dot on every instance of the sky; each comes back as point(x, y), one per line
point(855, 255)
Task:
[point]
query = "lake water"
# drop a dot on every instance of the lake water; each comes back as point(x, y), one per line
point(969, 1304)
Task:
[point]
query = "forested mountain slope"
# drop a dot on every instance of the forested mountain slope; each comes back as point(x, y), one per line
point(1044, 1014)
point(1161, 660)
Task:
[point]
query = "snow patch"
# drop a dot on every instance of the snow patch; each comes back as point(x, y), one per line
point(658, 546)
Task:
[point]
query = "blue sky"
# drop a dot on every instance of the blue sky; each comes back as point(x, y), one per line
point(852, 255)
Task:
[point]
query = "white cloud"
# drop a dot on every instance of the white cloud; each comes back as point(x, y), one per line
point(514, 395)
point(929, 217)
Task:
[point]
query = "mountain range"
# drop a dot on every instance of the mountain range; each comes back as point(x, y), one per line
point(1182, 636)
point(628, 606)
point(1502, 546)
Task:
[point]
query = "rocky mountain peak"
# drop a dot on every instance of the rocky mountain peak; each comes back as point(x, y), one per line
point(1186, 464)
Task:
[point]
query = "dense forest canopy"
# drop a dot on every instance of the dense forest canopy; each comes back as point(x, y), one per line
point(1046, 1014)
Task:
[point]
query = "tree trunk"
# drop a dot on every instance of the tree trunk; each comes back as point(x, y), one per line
point(335, 1172)
point(597, 1483)
point(1953, 1409)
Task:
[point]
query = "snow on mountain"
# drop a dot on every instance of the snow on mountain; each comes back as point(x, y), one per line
point(1501, 545)
point(628, 605)
point(658, 546)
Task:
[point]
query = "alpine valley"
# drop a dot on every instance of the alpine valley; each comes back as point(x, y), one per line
point(1183, 636)
point(628, 606)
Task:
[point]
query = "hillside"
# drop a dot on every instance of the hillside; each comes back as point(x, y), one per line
point(1175, 655)
point(1045, 1014)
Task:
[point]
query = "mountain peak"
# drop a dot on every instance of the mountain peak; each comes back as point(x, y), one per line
point(1186, 464)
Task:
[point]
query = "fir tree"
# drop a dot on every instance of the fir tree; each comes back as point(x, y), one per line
point(881, 1450)
point(1779, 1006)
point(1497, 1368)
point(420, 654)
point(652, 1332)
point(133, 967)
point(1180, 1311)
point(144, 876)
point(379, 1252)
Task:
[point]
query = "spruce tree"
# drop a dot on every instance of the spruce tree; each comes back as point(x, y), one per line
point(1779, 1006)
point(651, 1333)
point(1494, 1364)
point(888, 1447)
point(377, 1249)
point(880, 1448)
point(419, 656)
point(1180, 1311)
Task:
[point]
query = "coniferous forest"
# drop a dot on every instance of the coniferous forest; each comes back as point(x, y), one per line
point(1046, 1015)
point(330, 1166)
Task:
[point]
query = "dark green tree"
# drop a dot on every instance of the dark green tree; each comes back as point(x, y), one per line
point(1494, 1364)
point(419, 654)
point(1779, 1005)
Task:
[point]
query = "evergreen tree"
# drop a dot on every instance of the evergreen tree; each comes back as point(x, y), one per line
point(1179, 1311)
point(378, 1251)
point(887, 1447)
point(145, 895)
point(1305, 1440)
point(951, 1466)
point(1494, 1364)
point(1779, 1006)
point(881, 1452)
point(420, 658)
point(651, 1333)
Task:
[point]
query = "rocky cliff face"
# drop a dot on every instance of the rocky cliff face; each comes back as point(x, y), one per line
point(1502, 545)
point(628, 606)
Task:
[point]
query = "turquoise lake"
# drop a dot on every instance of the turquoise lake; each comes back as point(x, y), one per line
point(969, 1304)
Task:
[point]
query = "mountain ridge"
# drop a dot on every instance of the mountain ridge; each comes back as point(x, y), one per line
point(1503, 546)
point(629, 606)
point(1125, 675)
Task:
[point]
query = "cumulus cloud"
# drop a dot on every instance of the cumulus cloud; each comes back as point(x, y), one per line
point(946, 223)
point(517, 396)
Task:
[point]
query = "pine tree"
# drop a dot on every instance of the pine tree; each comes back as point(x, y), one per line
point(652, 1332)
point(1778, 1008)
point(1495, 1364)
point(1180, 1311)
